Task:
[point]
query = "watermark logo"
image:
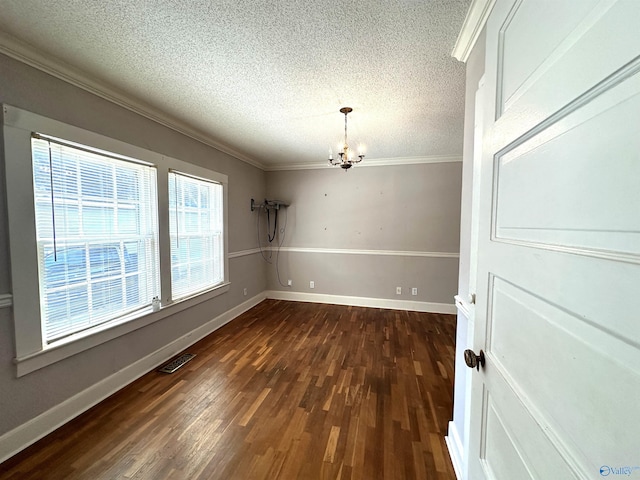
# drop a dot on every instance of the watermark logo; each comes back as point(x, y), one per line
point(606, 470)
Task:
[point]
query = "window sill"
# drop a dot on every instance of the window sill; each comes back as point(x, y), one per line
point(103, 333)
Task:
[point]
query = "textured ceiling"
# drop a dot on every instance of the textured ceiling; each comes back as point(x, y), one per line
point(267, 79)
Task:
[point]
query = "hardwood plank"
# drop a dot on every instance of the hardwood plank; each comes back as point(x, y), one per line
point(254, 407)
point(287, 391)
point(332, 443)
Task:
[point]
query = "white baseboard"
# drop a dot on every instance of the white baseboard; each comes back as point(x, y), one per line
point(362, 301)
point(21, 437)
point(28, 433)
point(455, 450)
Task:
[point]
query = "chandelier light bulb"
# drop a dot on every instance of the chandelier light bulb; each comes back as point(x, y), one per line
point(346, 157)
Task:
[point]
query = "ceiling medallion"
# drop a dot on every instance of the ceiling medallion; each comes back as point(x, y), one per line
point(346, 157)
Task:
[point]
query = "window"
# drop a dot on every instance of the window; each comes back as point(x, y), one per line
point(97, 236)
point(94, 237)
point(195, 225)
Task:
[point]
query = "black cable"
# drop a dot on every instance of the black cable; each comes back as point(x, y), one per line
point(284, 232)
point(264, 257)
point(275, 225)
point(271, 238)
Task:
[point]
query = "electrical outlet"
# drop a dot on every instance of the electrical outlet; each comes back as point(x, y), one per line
point(245, 292)
point(398, 290)
point(289, 283)
point(312, 284)
point(414, 291)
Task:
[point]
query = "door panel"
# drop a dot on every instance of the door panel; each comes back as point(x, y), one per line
point(549, 372)
point(503, 459)
point(513, 444)
point(559, 243)
point(517, 32)
point(540, 42)
point(567, 185)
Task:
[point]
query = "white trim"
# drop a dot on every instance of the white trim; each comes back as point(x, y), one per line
point(30, 352)
point(463, 306)
point(630, 257)
point(24, 53)
point(348, 251)
point(14, 48)
point(21, 437)
point(474, 22)
point(42, 358)
point(362, 301)
point(379, 162)
point(6, 300)
point(454, 445)
point(244, 253)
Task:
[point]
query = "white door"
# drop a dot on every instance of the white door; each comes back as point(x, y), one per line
point(559, 244)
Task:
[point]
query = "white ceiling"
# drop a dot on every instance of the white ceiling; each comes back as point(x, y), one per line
point(264, 79)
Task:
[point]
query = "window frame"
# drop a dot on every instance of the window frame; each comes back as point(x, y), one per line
point(58, 156)
point(31, 350)
point(188, 177)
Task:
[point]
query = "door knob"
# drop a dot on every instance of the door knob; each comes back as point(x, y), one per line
point(472, 360)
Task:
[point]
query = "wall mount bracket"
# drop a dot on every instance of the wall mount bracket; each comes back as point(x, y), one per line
point(268, 204)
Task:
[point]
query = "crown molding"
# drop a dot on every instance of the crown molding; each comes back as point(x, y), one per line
point(474, 22)
point(27, 54)
point(380, 162)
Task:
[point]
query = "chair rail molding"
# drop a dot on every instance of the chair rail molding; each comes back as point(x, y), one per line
point(6, 300)
point(463, 306)
point(349, 251)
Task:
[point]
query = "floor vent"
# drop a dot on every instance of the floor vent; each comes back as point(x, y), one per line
point(174, 365)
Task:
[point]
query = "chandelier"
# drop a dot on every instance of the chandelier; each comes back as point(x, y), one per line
point(346, 157)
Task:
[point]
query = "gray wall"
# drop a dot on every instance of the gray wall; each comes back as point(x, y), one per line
point(21, 399)
point(390, 208)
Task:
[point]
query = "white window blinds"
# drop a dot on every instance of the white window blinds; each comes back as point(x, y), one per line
point(97, 236)
point(196, 230)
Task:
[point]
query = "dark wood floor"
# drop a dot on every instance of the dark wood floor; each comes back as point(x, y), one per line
point(286, 391)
